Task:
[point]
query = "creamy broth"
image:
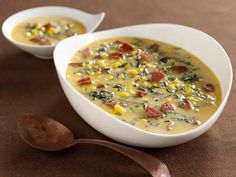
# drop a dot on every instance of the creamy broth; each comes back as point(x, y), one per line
point(46, 30)
point(149, 84)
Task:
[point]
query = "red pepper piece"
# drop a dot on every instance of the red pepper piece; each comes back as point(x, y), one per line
point(100, 85)
point(41, 41)
point(86, 53)
point(85, 81)
point(147, 57)
point(141, 93)
point(47, 26)
point(180, 68)
point(208, 87)
point(125, 47)
point(157, 76)
point(154, 48)
point(116, 55)
point(111, 104)
point(98, 56)
point(76, 64)
point(152, 113)
point(166, 107)
point(187, 104)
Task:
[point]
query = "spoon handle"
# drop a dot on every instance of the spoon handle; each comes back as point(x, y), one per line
point(154, 166)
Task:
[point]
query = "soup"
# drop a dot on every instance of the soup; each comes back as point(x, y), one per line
point(46, 30)
point(149, 84)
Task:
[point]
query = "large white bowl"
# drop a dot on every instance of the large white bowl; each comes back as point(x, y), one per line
point(195, 41)
point(90, 21)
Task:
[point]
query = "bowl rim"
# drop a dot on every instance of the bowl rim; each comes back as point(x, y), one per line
point(218, 111)
point(44, 7)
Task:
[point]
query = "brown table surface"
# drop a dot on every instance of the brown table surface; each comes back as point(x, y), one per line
point(28, 84)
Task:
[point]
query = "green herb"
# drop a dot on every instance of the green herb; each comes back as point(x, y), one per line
point(181, 104)
point(137, 42)
point(120, 87)
point(189, 77)
point(103, 95)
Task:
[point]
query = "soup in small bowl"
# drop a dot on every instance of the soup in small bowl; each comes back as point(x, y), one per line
point(153, 85)
point(38, 30)
point(47, 30)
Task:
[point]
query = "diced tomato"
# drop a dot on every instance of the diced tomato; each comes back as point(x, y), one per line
point(47, 26)
point(154, 48)
point(111, 104)
point(141, 93)
point(166, 107)
point(41, 41)
point(100, 85)
point(152, 112)
point(116, 55)
point(76, 64)
point(208, 87)
point(125, 47)
point(157, 76)
point(147, 57)
point(86, 53)
point(180, 68)
point(85, 81)
point(98, 56)
point(187, 104)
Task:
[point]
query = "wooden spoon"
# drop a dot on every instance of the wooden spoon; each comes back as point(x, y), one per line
point(49, 135)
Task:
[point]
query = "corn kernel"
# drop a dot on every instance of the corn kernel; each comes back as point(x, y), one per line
point(91, 88)
point(124, 94)
point(91, 73)
point(116, 64)
point(130, 83)
point(188, 91)
point(34, 32)
point(105, 55)
point(127, 65)
point(140, 69)
point(87, 66)
point(177, 83)
point(154, 84)
point(142, 122)
point(171, 86)
point(97, 73)
point(51, 31)
point(101, 63)
point(143, 79)
point(121, 76)
point(119, 110)
point(110, 77)
point(168, 99)
point(147, 84)
point(130, 90)
point(37, 26)
point(132, 72)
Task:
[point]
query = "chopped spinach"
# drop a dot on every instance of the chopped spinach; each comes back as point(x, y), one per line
point(103, 95)
point(189, 77)
point(120, 87)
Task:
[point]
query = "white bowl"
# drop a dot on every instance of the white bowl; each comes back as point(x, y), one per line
point(195, 41)
point(90, 21)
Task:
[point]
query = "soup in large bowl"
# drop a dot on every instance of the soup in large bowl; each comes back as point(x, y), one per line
point(152, 85)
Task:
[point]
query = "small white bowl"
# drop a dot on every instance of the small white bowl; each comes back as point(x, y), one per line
point(195, 41)
point(90, 21)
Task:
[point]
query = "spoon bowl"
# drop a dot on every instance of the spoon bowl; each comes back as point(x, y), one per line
point(49, 135)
